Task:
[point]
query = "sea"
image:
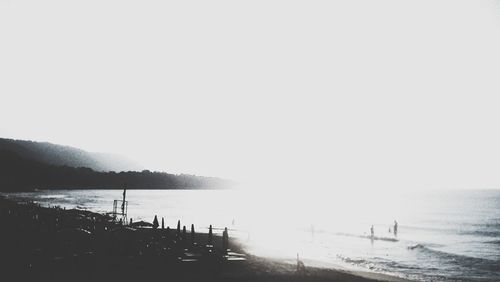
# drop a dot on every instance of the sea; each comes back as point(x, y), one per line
point(444, 235)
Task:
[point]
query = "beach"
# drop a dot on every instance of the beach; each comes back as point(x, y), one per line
point(55, 244)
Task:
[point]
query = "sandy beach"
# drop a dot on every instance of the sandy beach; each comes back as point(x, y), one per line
point(53, 244)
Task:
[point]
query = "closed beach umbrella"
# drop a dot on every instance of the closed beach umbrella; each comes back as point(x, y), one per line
point(178, 228)
point(192, 234)
point(155, 222)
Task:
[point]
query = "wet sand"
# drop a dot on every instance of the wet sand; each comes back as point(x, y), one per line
point(53, 244)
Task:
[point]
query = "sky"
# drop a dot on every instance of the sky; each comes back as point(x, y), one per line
point(331, 94)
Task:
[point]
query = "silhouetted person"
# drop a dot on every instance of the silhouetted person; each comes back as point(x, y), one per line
point(395, 228)
point(131, 221)
point(162, 223)
point(210, 236)
point(225, 241)
point(372, 232)
point(155, 223)
point(184, 233)
point(301, 268)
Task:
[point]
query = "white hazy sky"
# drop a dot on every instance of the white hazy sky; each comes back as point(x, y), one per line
point(373, 94)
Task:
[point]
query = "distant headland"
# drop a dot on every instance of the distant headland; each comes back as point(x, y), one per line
point(29, 165)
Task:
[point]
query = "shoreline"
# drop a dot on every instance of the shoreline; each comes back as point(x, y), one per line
point(54, 244)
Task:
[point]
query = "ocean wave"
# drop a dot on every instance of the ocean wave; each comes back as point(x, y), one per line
point(478, 263)
point(385, 266)
point(52, 196)
point(439, 266)
point(416, 246)
point(358, 261)
point(480, 229)
point(482, 233)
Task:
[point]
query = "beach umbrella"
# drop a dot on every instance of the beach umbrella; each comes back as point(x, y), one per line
point(155, 222)
point(210, 236)
point(178, 228)
point(167, 232)
point(162, 223)
point(141, 224)
point(192, 234)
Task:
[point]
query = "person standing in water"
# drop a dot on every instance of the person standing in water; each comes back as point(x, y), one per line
point(372, 232)
point(395, 228)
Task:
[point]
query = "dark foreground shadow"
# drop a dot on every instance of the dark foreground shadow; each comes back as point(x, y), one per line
point(53, 244)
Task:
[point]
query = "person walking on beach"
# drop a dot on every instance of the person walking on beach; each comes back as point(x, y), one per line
point(395, 228)
point(210, 236)
point(301, 267)
point(225, 241)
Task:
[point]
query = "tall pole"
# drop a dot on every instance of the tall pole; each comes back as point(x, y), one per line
point(124, 195)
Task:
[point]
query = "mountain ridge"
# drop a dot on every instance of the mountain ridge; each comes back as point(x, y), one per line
point(21, 174)
point(62, 155)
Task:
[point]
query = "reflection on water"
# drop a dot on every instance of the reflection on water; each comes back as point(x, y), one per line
point(441, 235)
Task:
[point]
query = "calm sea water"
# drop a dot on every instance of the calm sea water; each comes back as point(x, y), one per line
point(444, 235)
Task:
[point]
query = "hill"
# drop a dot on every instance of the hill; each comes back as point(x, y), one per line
point(22, 174)
point(58, 155)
